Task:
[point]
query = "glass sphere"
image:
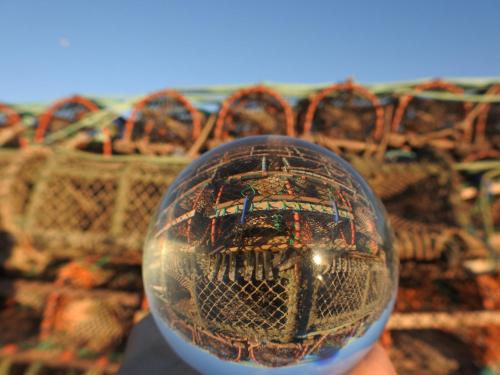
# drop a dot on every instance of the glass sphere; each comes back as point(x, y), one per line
point(270, 254)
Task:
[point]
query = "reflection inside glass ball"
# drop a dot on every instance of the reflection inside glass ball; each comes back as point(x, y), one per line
point(268, 252)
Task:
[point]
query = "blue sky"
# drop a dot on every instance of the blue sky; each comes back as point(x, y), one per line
point(50, 49)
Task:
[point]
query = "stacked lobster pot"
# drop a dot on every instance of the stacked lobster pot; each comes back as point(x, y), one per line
point(79, 190)
point(74, 214)
point(416, 181)
point(255, 110)
point(424, 157)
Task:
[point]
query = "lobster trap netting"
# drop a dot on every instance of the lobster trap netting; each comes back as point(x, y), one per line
point(19, 171)
point(162, 123)
point(54, 324)
point(344, 116)
point(273, 311)
point(344, 111)
point(90, 204)
point(351, 291)
point(423, 203)
point(6, 158)
point(87, 322)
point(20, 319)
point(487, 127)
point(425, 116)
point(486, 213)
point(417, 115)
point(251, 307)
point(253, 111)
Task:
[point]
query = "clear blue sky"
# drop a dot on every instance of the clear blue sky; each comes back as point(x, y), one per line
point(49, 49)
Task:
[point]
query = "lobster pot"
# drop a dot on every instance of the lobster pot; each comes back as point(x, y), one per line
point(252, 111)
point(83, 320)
point(348, 296)
point(248, 306)
point(97, 205)
point(424, 116)
point(423, 203)
point(344, 111)
point(6, 158)
point(489, 202)
point(492, 126)
point(19, 172)
point(391, 179)
point(283, 311)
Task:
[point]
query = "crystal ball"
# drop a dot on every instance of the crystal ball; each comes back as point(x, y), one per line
point(270, 254)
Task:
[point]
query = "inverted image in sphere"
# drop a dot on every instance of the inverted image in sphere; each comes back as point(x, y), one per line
point(270, 254)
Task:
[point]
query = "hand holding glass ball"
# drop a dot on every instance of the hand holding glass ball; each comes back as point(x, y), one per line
point(270, 254)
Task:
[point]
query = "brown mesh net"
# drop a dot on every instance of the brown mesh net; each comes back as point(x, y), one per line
point(351, 289)
point(83, 203)
point(422, 198)
point(162, 123)
point(20, 170)
point(252, 111)
point(273, 312)
point(392, 178)
point(88, 322)
point(490, 124)
point(427, 115)
point(346, 112)
point(249, 307)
